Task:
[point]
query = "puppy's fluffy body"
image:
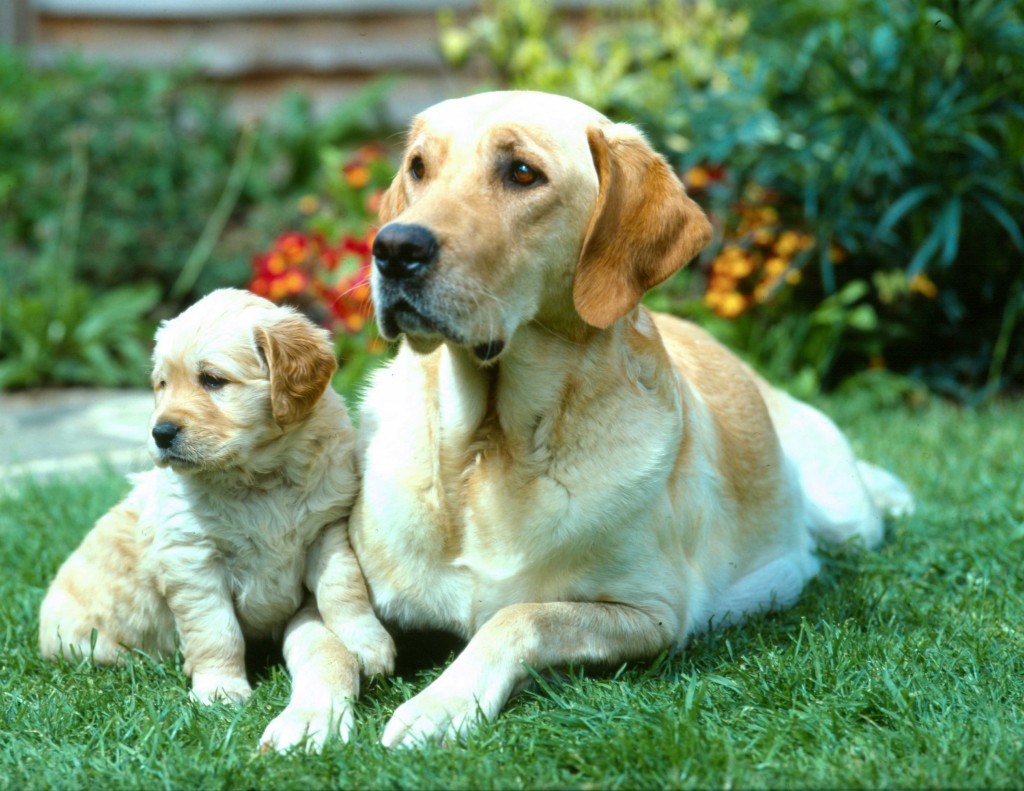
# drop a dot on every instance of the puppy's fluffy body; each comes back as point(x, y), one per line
point(241, 527)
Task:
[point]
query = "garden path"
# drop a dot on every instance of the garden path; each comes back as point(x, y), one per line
point(46, 433)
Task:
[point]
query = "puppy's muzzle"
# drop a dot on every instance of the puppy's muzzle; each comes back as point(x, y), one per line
point(164, 434)
point(404, 252)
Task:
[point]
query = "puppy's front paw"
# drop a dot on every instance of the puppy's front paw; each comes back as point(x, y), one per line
point(370, 643)
point(309, 726)
point(210, 687)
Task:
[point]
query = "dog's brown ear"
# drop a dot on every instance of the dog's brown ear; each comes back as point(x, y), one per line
point(392, 202)
point(644, 227)
point(300, 357)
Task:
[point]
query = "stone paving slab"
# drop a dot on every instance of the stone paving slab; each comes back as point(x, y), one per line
point(72, 431)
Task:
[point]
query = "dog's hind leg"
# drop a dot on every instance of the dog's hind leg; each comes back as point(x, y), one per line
point(845, 498)
point(99, 606)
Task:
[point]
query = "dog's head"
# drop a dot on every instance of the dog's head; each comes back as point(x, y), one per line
point(232, 374)
point(512, 207)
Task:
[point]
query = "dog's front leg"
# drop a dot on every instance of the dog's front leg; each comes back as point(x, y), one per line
point(199, 597)
point(325, 682)
point(494, 664)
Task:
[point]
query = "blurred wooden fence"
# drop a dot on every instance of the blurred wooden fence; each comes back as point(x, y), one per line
point(329, 48)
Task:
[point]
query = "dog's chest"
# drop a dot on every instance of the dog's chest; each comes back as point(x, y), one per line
point(449, 553)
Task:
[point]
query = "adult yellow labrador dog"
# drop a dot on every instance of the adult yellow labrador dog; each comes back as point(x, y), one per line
point(550, 470)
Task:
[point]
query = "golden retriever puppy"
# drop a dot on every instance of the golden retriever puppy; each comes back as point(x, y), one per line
point(241, 529)
point(549, 470)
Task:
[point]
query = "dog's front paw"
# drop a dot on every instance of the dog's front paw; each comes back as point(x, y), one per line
point(210, 687)
point(308, 726)
point(370, 643)
point(435, 715)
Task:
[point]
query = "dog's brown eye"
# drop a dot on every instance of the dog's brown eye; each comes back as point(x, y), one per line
point(211, 382)
point(417, 168)
point(523, 175)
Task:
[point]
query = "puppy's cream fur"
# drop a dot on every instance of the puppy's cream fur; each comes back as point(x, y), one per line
point(241, 529)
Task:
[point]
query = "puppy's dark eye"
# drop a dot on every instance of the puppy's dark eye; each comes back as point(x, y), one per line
point(417, 168)
point(211, 382)
point(522, 174)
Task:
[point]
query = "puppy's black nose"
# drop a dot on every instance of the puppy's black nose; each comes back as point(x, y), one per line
point(164, 434)
point(402, 251)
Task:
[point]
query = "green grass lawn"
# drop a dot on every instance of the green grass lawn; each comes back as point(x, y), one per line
point(901, 668)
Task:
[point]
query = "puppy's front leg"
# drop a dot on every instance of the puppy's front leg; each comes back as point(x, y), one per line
point(494, 664)
point(334, 577)
point(325, 682)
point(199, 596)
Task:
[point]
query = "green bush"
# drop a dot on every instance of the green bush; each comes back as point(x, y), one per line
point(112, 177)
point(892, 130)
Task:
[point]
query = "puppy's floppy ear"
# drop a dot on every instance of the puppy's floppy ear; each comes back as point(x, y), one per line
point(300, 357)
point(644, 227)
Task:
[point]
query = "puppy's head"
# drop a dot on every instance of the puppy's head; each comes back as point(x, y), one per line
point(512, 207)
point(232, 374)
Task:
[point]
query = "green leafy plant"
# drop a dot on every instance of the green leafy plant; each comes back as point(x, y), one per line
point(124, 195)
point(891, 129)
point(54, 329)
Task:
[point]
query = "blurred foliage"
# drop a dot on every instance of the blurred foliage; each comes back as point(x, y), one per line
point(322, 265)
point(111, 177)
point(892, 130)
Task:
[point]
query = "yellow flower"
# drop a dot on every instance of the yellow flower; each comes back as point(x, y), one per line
point(764, 236)
point(775, 266)
point(923, 285)
point(721, 283)
point(794, 277)
point(733, 262)
point(731, 305)
point(308, 204)
point(791, 242)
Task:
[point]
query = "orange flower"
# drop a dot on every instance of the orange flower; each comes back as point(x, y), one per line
point(697, 178)
point(373, 202)
point(922, 284)
point(357, 175)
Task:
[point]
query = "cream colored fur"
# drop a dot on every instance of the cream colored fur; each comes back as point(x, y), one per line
point(612, 481)
point(550, 470)
point(240, 530)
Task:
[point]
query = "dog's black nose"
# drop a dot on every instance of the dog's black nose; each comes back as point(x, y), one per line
point(164, 434)
point(401, 251)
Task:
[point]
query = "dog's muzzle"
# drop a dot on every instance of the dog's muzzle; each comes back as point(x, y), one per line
point(405, 256)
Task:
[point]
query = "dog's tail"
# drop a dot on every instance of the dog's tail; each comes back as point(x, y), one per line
point(890, 495)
